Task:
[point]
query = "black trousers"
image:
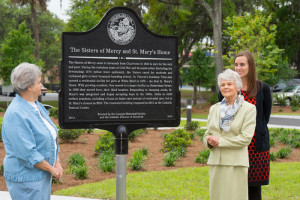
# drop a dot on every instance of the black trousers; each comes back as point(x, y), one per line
point(254, 193)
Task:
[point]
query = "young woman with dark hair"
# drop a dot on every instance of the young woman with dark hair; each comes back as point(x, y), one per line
point(258, 93)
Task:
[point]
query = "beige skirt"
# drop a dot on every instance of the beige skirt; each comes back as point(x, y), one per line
point(228, 182)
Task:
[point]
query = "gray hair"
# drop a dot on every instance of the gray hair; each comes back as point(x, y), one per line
point(23, 76)
point(230, 75)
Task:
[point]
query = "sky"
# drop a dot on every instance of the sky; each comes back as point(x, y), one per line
point(54, 7)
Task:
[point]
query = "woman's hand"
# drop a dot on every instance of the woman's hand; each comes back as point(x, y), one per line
point(60, 169)
point(213, 141)
point(56, 171)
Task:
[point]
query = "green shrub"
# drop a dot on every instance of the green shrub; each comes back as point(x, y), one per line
point(294, 103)
point(272, 141)
point(1, 170)
point(271, 130)
point(281, 100)
point(282, 153)
point(89, 131)
point(69, 135)
point(295, 144)
point(80, 172)
point(200, 132)
point(191, 126)
point(136, 162)
point(53, 112)
point(170, 158)
point(203, 156)
point(214, 99)
point(55, 181)
point(137, 159)
point(105, 142)
point(295, 138)
point(134, 134)
point(77, 159)
point(275, 133)
point(77, 166)
point(176, 139)
point(2, 109)
point(181, 151)
point(272, 156)
point(181, 133)
point(106, 161)
point(295, 132)
point(284, 137)
point(192, 135)
point(290, 137)
point(144, 151)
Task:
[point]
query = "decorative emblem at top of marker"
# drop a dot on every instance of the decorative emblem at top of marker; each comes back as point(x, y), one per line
point(121, 29)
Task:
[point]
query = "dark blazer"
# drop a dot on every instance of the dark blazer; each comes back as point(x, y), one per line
point(264, 108)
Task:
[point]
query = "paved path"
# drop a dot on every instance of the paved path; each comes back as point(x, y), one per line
point(4, 195)
point(276, 121)
point(285, 121)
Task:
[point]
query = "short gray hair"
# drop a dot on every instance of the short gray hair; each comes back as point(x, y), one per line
point(230, 75)
point(23, 76)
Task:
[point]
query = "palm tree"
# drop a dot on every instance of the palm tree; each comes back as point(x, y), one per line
point(34, 5)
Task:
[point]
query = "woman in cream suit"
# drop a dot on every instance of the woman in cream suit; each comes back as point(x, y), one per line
point(231, 124)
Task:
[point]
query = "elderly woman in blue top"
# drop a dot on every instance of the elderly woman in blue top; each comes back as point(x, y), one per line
point(30, 139)
point(230, 127)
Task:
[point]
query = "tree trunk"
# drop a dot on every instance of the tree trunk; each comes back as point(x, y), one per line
point(195, 95)
point(36, 36)
point(217, 30)
point(35, 30)
point(200, 96)
point(215, 15)
point(298, 63)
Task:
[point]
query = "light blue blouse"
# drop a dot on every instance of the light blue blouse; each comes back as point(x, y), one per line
point(27, 141)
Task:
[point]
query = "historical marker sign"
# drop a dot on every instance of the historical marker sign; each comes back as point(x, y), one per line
point(119, 73)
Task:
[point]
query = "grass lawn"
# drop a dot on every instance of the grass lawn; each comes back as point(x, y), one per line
point(188, 94)
point(187, 183)
point(285, 114)
point(183, 123)
point(196, 115)
point(51, 103)
point(3, 104)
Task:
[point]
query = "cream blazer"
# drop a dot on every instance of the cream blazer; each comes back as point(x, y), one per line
point(233, 145)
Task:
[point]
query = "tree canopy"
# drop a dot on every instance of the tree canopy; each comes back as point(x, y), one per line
point(286, 16)
point(201, 71)
point(50, 29)
point(17, 47)
point(191, 20)
point(256, 34)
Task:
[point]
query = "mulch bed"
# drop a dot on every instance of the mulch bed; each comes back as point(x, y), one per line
point(152, 140)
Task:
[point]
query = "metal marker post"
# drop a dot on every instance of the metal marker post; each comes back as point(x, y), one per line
point(121, 150)
point(189, 111)
point(121, 177)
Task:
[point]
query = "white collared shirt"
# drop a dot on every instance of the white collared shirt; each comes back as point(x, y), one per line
point(49, 126)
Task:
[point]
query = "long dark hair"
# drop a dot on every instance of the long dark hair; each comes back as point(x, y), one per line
point(252, 82)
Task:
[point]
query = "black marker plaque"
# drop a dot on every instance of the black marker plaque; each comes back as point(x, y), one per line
point(119, 73)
